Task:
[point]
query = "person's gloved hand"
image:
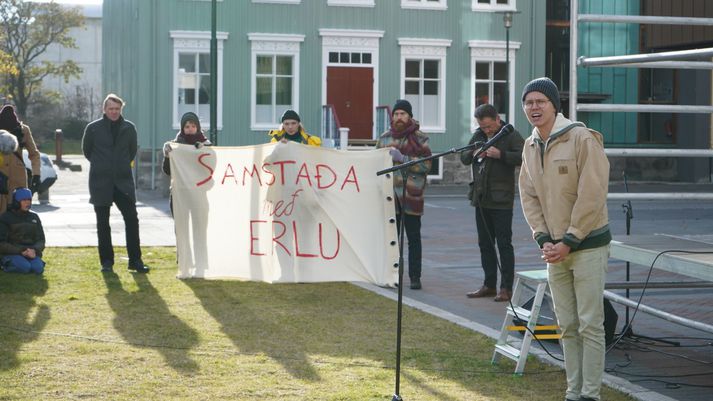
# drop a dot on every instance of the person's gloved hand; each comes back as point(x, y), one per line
point(35, 184)
point(167, 149)
point(397, 156)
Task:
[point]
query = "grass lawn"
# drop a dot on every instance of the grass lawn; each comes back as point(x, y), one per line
point(77, 334)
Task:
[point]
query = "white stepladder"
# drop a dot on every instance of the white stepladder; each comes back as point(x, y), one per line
point(515, 348)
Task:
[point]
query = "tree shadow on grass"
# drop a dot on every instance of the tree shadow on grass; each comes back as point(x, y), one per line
point(260, 321)
point(143, 319)
point(18, 325)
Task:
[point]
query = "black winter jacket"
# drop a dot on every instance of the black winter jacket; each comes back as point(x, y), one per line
point(110, 155)
point(19, 231)
point(493, 185)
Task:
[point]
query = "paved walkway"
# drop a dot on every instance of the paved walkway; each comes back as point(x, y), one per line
point(452, 268)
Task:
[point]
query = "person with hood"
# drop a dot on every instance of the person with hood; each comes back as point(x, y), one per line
point(292, 130)
point(22, 238)
point(190, 134)
point(12, 166)
point(406, 142)
point(564, 182)
point(110, 145)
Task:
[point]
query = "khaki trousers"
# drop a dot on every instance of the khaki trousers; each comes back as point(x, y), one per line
point(577, 286)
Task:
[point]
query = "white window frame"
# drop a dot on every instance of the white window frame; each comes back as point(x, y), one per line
point(351, 3)
point(197, 42)
point(493, 6)
point(352, 40)
point(438, 176)
point(489, 51)
point(426, 49)
point(424, 5)
point(274, 45)
point(277, 1)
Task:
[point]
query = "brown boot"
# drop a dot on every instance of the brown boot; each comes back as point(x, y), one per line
point(503, 296)
point(482, 292)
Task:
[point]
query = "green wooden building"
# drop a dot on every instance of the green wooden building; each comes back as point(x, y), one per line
point(445, 56)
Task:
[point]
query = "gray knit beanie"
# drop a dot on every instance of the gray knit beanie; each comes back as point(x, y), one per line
point(546, 87)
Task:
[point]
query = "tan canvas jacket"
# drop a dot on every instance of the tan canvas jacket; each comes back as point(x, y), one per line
point(563, 186)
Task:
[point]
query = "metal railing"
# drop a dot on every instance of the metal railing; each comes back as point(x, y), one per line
point(685, 59)
point(383, 119)
point(330, 125)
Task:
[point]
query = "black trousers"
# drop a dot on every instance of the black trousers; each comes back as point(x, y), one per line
point(496, 224)
point(127, 207)
point(412, 226)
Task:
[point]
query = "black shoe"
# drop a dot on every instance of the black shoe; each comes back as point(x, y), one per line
point(107, 268)
point(416, 284)
point(586, 399)
point(139, 267)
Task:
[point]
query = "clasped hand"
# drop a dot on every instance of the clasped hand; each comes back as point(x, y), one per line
point(554, 253)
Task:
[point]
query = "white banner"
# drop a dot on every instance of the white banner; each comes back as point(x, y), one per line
point(284, 213)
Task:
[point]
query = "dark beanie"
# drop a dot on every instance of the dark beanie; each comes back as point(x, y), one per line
point(403, 104)
point(290, 115)
point(192, 117)
point(8, 118)
point(546, 87)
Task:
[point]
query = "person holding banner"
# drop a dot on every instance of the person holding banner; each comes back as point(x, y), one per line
point(406, 142)
point(190, 134)
point(492, 193)
point(564, 181)
point(292, 130)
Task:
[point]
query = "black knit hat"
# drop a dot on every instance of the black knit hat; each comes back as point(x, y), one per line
point(193, 117)
point(403, 104)
point(546, 87)
point(290, 115)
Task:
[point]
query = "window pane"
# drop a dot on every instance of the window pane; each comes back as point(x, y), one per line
point(204, 91)
point(430, 68)
point(431, 110)
point(412, 68)
point(187, 96)
point(430, 87)
point(481, 94)
point(204, 63)
point(283, 90)
point(356, 57)
point(411, 88)
point(366, 58)
point(264, 64)
point(343, 57)
point(187, 81)
point(499, 94)
point(503, 1)
point(284, 65)
point(333, 57)
point(263, 90)
point(500, 71)
point(482, 70)
point(484, 1)
point(187, 62)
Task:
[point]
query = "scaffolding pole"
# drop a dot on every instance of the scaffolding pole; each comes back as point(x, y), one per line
point(646, 19)
point(637, 152)
point(636, 58)
point(645, 108)
point(681, 65)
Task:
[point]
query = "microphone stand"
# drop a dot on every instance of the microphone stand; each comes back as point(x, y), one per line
point(628, 331)
point(402, 168)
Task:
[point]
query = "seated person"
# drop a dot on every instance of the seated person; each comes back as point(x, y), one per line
point(292, 130)
point(22, 238)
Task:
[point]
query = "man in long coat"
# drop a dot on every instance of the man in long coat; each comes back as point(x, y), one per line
point(110, 145)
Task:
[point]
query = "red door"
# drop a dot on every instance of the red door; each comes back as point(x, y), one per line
point(351, 91)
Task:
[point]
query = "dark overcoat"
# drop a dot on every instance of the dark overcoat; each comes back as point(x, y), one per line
point(110, 158)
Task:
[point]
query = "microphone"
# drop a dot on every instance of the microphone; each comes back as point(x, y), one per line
point(505, 130)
